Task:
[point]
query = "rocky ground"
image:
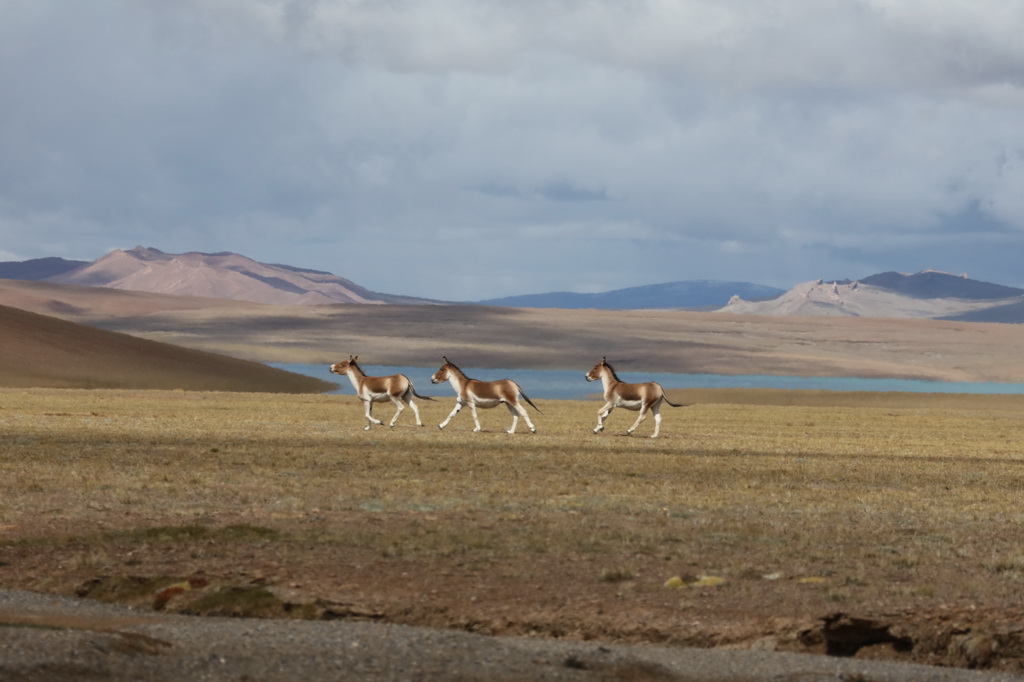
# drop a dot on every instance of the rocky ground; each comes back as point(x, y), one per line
point(553, 598)
point(62, 640)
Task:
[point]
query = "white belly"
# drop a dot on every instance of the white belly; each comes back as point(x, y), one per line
point(628, 404)
point(485, 402)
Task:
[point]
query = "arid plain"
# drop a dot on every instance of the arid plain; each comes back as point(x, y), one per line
point(477, 336)
point(876, 525)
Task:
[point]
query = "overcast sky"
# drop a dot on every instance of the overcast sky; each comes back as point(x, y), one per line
point(468, 149)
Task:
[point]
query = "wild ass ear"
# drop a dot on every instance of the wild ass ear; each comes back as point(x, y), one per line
point(604, 359)
point(445, 358)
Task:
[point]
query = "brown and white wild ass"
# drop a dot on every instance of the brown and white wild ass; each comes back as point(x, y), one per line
point(644, 397)
point(483, 394)
point(397, 388)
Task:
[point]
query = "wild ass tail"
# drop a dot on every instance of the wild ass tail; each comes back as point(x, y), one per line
point(412, 389)
point(665, 398)
point(527, 398)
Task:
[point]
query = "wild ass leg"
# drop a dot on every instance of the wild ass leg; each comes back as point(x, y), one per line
point(398, 410)
point(415, 410)
point(640, 418)
point(515, 417)
point(370, 419)
point(458, 406)
point(526, 415)
point(656, 411)
point(602, 414)
point(476, 419)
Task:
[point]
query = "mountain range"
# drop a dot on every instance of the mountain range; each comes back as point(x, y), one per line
point(701, 293)
point(926, 294)
point(213, 275)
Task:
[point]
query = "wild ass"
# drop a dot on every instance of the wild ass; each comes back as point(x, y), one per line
point(643, 397)
point(484, 394)
point(397, 388)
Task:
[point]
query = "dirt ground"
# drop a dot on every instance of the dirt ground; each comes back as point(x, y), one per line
point(248, 570)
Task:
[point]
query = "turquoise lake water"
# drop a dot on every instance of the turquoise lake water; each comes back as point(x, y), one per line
point(570, 385)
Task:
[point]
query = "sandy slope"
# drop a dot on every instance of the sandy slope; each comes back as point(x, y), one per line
point(44, 351)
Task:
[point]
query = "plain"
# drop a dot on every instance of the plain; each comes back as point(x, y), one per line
point(759, 519)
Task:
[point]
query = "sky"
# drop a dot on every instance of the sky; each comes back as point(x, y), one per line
point(472, 149)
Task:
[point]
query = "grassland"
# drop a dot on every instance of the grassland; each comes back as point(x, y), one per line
point(758, 519)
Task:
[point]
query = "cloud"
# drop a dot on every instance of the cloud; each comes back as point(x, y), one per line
point(917, 44)
point(621, 142)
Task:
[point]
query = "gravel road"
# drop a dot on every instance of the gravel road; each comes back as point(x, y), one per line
point(56, 639)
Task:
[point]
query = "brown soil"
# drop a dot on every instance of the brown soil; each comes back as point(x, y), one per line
point(567, 597)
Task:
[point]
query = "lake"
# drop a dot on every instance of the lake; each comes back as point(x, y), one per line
point(565, 384)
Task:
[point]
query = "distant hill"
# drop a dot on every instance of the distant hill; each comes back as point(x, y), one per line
point(88, 304)
point(38, 268)
point(1012, 313)
point(936, 284)
point(43, 351)
point(216, 275)
point(687, 294)
point(927, 294)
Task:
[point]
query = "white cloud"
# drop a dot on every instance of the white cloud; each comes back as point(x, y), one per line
point(638, 140)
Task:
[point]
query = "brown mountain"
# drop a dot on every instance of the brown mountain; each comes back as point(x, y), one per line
point(43, 351)
point(221, 275)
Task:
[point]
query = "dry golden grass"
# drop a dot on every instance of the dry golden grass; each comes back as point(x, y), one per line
point(888, 505)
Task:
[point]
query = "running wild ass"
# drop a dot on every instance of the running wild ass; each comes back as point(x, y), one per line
point(483, 394)
point(634, 397)
point(397, 388)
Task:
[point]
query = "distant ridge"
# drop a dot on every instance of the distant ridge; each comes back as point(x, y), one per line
point(927, 294)
point(220, 275)
point(686, 294)
point(937, 284)
point(228, 276)
point(38, 268)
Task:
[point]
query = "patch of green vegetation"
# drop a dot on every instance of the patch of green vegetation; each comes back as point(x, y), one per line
point(616, 575)
point(124, 589)
point(35, 626)
point(238, 602)
point(190, 533)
